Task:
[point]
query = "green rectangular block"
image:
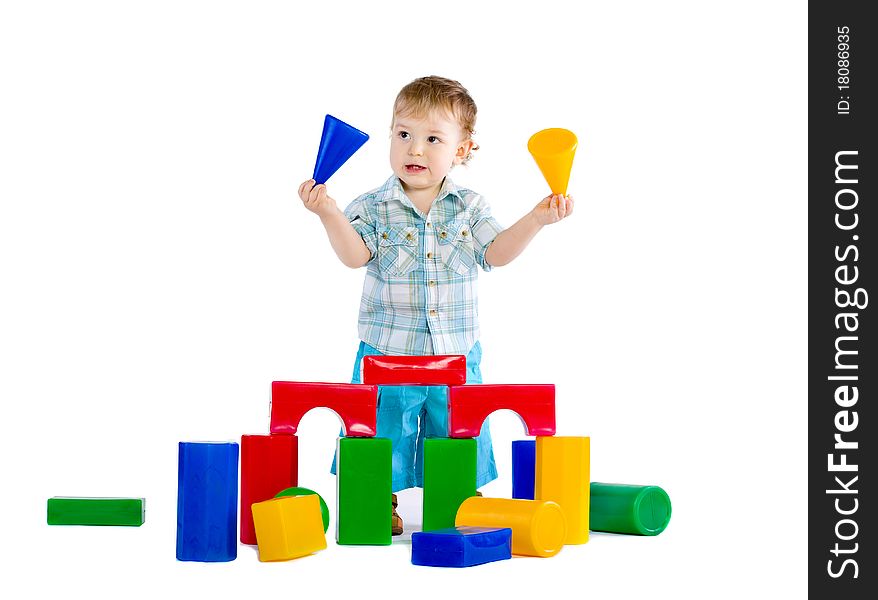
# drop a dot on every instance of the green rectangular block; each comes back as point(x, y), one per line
point(363, 479)
point(96, 511)
point(449, 479)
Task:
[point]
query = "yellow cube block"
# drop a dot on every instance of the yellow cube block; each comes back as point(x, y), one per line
point(562, 476)
point(288, 527)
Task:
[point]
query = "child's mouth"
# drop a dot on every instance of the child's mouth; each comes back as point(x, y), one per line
point(414, 169)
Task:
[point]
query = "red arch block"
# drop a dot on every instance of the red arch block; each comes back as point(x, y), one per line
point(470, 405)
point(447, 369)
point(355, 404)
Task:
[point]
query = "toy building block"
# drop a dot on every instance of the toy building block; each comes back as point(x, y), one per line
point(449, 479)
point(64, 510)
point(538, 527)
point(470, 405)
point(300, 491)
point(269, 463)
point(524, 454)
point(338, 143)
point(363, 479)
point(207, 501)
point(288, 527)
point(461, 546)
point(355, 404)
point(633, 509)
point(415, 370)
point(562, 476)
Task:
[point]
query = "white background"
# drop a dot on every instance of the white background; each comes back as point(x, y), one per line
point(158, 272)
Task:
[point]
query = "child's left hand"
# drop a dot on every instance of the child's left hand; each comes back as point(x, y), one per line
point(553, 208)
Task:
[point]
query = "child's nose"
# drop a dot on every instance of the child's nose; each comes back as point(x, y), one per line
point(416, 148)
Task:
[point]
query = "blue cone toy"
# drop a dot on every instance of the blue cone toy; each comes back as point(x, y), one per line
point(337, 144)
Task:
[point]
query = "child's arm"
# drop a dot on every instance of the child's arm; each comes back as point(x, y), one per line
point(512, 241)
point(347, 243)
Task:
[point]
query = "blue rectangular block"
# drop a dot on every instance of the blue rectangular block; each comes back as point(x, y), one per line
point(207, 501)
point(461, 546)
point(524, 457)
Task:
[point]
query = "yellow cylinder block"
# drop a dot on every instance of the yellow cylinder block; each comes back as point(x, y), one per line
point(538, 528)
point(562, 476)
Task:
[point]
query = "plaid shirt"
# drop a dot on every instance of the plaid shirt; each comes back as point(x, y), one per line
point(420, 294)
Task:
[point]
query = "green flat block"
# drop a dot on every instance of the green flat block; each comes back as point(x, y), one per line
point(95, 511)
point(449, 479)
point(363, 479)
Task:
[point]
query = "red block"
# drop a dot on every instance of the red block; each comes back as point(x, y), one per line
point(355, 404)
point(470, 405)
point(269, 464)
point(415, 370)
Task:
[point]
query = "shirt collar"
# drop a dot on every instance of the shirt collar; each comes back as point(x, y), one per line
point(392, 190)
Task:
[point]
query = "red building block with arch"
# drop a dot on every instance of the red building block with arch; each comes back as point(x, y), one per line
point(470, 405)
point(355, 404)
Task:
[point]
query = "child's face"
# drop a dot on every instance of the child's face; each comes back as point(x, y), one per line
point(424, 149)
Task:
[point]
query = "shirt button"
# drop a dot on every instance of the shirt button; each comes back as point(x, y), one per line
point(443, 235)
point(384, 235)
point(408, 236)
point(432, 283)
point(463, 233)
point(429, 255)
point(432, 312)
point(429, 224)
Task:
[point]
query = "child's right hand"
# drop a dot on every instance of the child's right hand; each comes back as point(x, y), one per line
point(315, 198)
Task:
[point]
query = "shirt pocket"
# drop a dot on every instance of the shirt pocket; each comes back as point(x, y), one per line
point(397, 250)
point(456, 247)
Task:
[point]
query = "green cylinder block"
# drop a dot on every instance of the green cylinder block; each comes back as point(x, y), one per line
point(633, 509)
point(301, 491)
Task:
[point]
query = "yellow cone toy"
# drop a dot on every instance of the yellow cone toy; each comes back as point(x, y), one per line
point(553, 149)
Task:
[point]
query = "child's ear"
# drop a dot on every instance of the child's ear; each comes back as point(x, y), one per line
point(463, 151)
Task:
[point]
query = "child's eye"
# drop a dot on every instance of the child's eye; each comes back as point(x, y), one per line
point(433, 139)
point(404, 135)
